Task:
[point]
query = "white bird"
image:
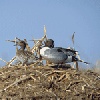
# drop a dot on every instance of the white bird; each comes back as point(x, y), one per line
point(57, 55)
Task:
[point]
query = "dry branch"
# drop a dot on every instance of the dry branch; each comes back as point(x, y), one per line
point(4, 61)
point(11, 61)
point(33, 78)
point(40, 73)
point(54, 71)
point(62, 77)
point(72, 83)
point(38, 43)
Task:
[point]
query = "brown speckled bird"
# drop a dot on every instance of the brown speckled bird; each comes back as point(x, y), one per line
point(24, 56)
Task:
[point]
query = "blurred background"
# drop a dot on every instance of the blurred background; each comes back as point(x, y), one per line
point(25, 19)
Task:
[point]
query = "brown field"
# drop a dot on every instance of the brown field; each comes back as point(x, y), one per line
point(48, 83)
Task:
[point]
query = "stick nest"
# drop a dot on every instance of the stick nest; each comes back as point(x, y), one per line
point(47, 83)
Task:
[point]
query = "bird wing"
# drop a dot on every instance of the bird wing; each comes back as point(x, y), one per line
point(68, 52)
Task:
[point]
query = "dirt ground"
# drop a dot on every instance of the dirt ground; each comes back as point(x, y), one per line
point(48, 83)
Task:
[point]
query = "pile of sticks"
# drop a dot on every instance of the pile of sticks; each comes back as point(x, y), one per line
point(45, 82)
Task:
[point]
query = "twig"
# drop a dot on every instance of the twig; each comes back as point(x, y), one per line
point(50, 92)
point(86, 82)
point(40, 73)
point(17, 81)
point(38, 61)
point(62, 77)
point(33, 78)
point(72, 83)
point(58, 71)
point(31, 85)
point(4, 61)
point(38, 43)
point(55, 71)
point(49, 74)
point(10, 62)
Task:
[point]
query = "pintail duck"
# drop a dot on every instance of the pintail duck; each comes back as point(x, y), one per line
point(56, 55)
point(68, 51)
point(59, 55)
point(24, 56)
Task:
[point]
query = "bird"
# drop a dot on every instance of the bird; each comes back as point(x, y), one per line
point(69, 51)
point(56, 55)
point(59, 55)
point(24, 56)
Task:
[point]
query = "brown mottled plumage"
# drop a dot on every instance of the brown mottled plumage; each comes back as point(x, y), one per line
point(24, 56)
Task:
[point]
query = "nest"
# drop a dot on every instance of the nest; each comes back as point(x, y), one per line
point(35, 82)
point(48, 83)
